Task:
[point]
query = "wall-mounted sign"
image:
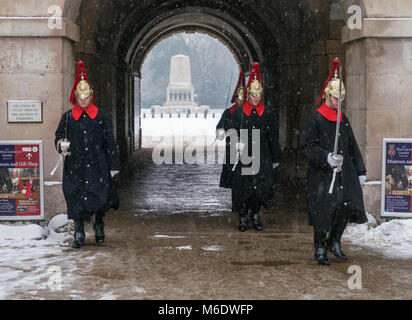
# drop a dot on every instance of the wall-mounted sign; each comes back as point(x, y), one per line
point(24, 111)
point(21, 180)
point(396, 199)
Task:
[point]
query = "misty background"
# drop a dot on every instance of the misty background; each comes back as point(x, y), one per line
point(212, 67)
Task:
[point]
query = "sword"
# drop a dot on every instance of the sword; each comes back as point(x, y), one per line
point(335, 148)
point(237, 160)
point(62, 156)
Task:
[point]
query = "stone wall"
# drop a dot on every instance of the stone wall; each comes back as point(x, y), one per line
point(379, 80)
point(36, 63)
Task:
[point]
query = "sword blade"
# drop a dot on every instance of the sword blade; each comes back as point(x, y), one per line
point(335, 148)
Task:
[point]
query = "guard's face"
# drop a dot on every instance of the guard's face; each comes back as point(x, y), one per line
point(254, 101)
point(84, 103)
point(239, 102)
point(335, 102)
point(332, 102)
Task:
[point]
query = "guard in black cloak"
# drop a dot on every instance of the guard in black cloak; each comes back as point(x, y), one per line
point(222, 130)
point(332, 211)
point(259, 153)
point(85, 137)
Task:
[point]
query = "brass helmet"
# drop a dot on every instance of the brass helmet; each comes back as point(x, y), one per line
point(255, 87)
point(332, 88)
point(83, 89)
point(240, 89)
point(240, 93)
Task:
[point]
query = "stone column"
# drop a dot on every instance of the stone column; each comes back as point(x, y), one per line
point(36, 63)
point(379, 81)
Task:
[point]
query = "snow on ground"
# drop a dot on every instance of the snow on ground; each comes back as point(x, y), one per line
point(28, 264)
point(184, 248)
point(139, 290)
point(193, 130)
point(393, 238)
point(212, 248)
point(19, 233)
point(164, 236)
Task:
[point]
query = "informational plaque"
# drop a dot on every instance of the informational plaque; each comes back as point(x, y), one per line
point(396, 199)
point(21, 180)
point(24, 111)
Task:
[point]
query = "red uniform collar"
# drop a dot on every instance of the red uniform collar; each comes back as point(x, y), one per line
point(329, 113)
point(91, 110)
point(247, 108)
point(233, 108)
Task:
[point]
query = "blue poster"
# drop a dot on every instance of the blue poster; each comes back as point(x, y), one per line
point(7, 156)
point(398, 177)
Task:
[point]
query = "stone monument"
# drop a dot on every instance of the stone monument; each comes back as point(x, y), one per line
point(180, 91)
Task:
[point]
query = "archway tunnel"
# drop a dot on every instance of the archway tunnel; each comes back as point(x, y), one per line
point(294, 42)
point(166, 250)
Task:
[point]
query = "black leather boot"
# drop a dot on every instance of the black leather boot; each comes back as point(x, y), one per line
point(98, 227)
point(257, 224)
point(79, 234)
point(321, 253)
point(243, 219)
point(335, 235)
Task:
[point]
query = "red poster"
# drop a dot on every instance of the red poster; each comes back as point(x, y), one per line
point(21, 181)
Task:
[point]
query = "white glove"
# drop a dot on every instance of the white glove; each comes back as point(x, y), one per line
point(274, 165)
point(113, 173)
point(65, 145)
point(335, 160)
point(240, 146)
point(362, 179)
point(220, 134)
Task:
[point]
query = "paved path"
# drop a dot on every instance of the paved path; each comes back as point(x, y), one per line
point(175, 238)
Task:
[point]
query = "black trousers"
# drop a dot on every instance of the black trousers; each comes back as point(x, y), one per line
point(99, 215)
point(253, 203)
point(342, 212)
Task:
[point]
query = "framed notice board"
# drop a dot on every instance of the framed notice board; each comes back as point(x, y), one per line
point(21, 180)
point(20, 111)
point(396, 178)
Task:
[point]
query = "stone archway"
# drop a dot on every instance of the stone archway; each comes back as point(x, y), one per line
point(245, 51)
point(119, 50)
point(191, 20)
point(115, 37)
point(105, 34)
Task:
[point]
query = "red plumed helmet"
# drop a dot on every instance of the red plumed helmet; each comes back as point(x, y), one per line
point(240, 91)
point(82, 87)
point(254, 85)
point(335, 68)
